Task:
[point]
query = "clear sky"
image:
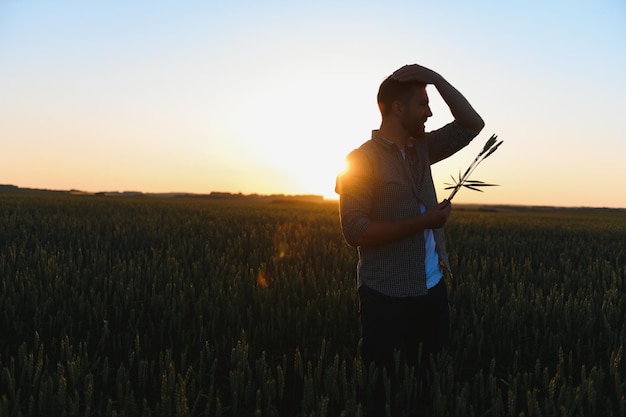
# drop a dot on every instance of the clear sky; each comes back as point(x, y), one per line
point(269, 96)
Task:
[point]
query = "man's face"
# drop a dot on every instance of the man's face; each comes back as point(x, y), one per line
point(416, 112)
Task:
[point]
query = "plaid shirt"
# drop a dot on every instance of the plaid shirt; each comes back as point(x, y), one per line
point(380, 184)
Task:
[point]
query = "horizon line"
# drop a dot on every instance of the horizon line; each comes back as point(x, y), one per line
point(239, 194)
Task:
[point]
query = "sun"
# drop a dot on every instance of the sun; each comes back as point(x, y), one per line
point(303, 131)
point(322, 181)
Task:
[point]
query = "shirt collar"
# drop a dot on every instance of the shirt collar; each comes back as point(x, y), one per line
point(377, 137)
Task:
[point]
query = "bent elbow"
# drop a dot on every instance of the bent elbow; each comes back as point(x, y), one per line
point(353, 239)
point(354, 232)
point(477, 126)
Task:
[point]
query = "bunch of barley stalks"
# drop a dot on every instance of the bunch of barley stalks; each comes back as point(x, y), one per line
point(464, 180)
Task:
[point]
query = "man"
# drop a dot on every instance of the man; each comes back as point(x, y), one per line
point(389, 212)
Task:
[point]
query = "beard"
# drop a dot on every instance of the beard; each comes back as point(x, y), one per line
point(414, 127)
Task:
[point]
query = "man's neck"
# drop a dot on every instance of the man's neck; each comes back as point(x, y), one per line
point(395, 134)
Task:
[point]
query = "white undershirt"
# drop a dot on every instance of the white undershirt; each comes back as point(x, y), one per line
point(431, 259)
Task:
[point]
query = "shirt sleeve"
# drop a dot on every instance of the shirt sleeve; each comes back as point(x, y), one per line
point(355, 187)
point(447, 141)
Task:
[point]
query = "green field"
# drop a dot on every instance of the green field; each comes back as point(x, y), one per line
point(119, 306)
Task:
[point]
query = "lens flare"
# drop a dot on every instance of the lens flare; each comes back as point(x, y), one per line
point(263, 279)
point(291, 240)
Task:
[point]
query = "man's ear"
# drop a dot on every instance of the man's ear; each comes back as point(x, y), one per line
point(397, 108)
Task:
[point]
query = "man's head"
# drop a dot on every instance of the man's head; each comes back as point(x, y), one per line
point(405, 103)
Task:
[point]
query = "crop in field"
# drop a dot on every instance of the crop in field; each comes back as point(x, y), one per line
point(194, 307)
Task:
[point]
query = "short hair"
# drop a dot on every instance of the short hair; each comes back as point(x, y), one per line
point(391, 90)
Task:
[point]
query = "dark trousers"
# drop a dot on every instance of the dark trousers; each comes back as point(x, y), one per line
point(405, 325)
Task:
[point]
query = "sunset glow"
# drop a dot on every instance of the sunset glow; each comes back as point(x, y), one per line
point(264, 98)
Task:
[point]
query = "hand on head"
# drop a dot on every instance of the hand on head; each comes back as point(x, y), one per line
point(415, 73)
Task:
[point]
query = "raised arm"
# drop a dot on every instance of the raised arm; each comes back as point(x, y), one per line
point(461, 109)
